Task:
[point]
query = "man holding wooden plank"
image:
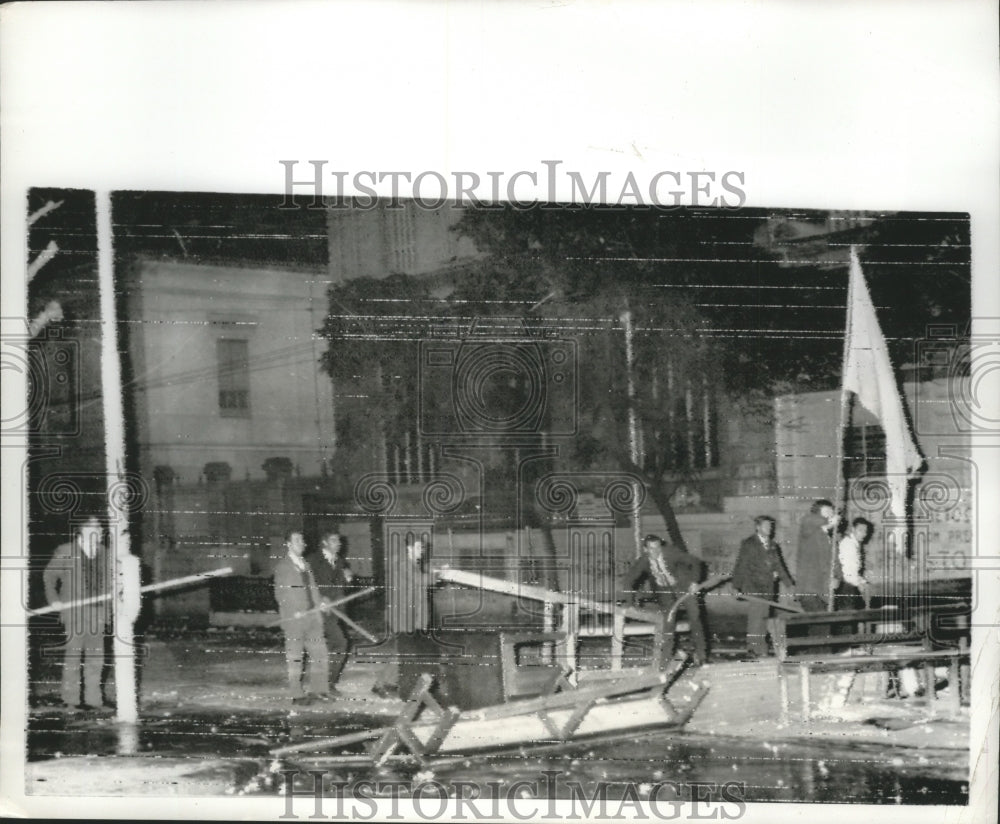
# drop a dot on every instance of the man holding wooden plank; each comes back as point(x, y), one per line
point(759, 569)
point(673, 575)
point(299, 601)
point(79, 571)
point(333, 576)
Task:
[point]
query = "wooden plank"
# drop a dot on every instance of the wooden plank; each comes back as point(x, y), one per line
point(930, 682)
point(384, 747)
point(894, 660)
point(617, 640)
point(743, 596)
point(536, 593)
point(405, 735)
point(559, 681)
point(804, 687)
point(615, 717)
point(854, 640)
point(529, 706)
point(550, 725)
point(576, 719)
point(335, 741)
point(442, 729)
point(783, 687)
point(842, 616)
point(955, 686)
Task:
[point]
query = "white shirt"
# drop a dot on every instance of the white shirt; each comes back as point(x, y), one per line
point(300, 564)
point(850, 561)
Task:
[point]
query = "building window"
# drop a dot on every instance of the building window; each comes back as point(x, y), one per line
point(234, 378)
point(865, 451)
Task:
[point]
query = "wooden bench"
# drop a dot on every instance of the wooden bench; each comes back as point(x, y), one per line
point(876, 662)
point(870, 631)
point(801, 633)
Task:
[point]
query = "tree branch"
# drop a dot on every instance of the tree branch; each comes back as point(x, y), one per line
point(43, 257)
point(52, 313)
point(48, 207)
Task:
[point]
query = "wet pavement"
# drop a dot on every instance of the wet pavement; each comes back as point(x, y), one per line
point(230, 755)
point(214, 706)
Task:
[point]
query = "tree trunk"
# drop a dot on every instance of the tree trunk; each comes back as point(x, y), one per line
point(660, 492)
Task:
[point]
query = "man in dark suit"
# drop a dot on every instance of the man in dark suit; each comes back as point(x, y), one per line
point(80, 569)
point(759, 568)
point(299, 600)
point(816, 564)
point(671, 573)
point(407, 605)
point(333, 576)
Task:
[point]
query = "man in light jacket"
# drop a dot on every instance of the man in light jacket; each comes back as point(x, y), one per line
point(81, 569)
point(299, 601)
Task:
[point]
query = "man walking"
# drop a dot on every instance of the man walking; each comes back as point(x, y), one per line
point(759, 569)
point(299, 601)
point(333, 575)
point(671, 574)
point(79, 570)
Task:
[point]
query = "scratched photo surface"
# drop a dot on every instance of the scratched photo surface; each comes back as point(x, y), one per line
point(333, 501)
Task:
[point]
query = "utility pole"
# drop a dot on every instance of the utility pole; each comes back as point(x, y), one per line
point(127, 579)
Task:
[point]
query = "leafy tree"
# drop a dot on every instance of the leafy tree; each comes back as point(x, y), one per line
point(713, 309)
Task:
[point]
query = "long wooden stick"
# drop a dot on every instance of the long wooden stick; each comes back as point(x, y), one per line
point(710, 583)
point(336, 741)
point(174, 582)
point(776, 604)
point(356, 627)
point(324, 607)
point(516, 589)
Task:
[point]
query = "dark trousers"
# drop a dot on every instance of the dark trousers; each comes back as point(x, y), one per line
point(757, 615)
point(813, 603)
point(304, 637)
point(693, 612)
point(337, 646)
point(387, 665)
point(84, 651)
point(848, 597)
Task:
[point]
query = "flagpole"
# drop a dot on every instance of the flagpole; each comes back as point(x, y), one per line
point(841, 486)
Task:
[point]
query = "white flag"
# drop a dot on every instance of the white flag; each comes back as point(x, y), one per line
point(868, 373)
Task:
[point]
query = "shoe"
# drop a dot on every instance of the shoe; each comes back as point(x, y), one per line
point(85, 707)
point(332, 695)
point(302, 700)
